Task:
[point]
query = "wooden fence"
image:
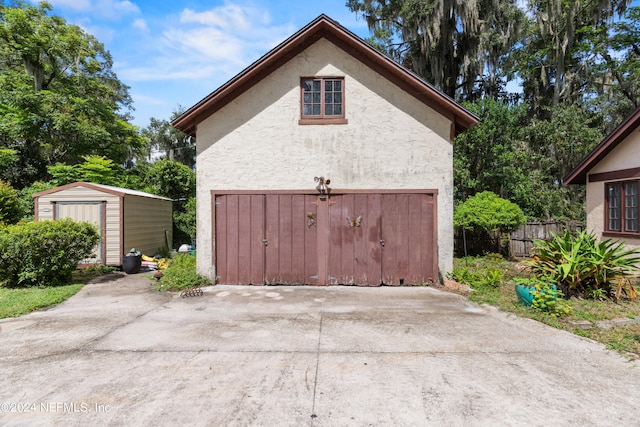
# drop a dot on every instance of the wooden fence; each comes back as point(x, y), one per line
point(521, 240)
point(516, 244)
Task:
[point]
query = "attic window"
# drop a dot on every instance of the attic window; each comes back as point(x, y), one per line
point(322, 100)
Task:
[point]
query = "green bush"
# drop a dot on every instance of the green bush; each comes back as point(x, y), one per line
point(44, 253)
point(185, 220)
point(181, 274)
point(10, 206)
point(582, 266)
point(484, 218)
point(487, 212)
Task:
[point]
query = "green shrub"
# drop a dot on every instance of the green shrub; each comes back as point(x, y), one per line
point(44, 253)
point(487, 212)
point(582, 266)
point(485, 217)
point(181, 274)
point(10, 206)
point(185, 221)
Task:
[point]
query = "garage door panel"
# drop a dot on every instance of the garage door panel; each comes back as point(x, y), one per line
point(291, 252)
point(408, 229)
point(238, 244)
point(354, 257)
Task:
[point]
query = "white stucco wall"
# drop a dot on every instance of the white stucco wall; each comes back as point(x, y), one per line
point(392, 141)
point(624, 156)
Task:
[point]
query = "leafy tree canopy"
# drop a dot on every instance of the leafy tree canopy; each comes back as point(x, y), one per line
point(96, 169)
point(60, 98)
point(171, 143)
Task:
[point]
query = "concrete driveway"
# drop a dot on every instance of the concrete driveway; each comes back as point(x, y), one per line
point(120, 353)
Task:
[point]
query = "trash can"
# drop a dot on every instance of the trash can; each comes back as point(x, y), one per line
point(131, 264)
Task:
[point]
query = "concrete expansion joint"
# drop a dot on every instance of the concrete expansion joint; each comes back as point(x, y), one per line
point(318, 352)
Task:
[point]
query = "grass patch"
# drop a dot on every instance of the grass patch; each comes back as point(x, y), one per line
point(15, 302)
point(625, 339)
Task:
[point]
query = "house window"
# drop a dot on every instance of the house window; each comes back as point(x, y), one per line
point(622, 207)
point(322, 100)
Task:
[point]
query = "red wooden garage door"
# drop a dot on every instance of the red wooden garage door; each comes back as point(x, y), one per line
point(353, 239)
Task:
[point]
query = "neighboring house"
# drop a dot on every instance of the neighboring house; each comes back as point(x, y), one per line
point(124, 218)
point(325, 162)
point(611, 173)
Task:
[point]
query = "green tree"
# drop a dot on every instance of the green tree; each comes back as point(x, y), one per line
point(556, 60)
point(459, 46)
point(556, 146)
point(61, 100)
point(26, 197)
point(487, 156)
point(171, 179)
point(95, 169)
point(171, 143)
point(175, 181)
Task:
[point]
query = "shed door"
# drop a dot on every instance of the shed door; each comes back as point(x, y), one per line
point(90, 212)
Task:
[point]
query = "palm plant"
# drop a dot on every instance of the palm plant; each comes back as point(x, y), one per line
point(581, 263)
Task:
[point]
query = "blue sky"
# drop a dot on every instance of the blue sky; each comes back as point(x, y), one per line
point(173, 53)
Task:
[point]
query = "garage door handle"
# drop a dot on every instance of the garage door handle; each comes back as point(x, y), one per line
point(382, 242)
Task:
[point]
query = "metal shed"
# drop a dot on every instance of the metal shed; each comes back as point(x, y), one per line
point(125, 218)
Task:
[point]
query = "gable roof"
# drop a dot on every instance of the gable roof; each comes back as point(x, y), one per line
point(325, 27)
point(117, 191)
point(579, 174)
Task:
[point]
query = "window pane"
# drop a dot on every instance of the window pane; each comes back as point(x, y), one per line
point(328, 110)
point(614, 207)
point(337, 85)
point(337, 97)
point(337, 110)
point(328, 85)
point(316, 109)
point(327, 97)
point(307, 98)
point(631, 206)
point(316, 98)
point(316, 85)
point(307, 109)
point(307, 85)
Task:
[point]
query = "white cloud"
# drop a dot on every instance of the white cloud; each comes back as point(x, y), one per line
point(148, 100)
point(210, 45)
point(140, 24)
point(110, 9)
